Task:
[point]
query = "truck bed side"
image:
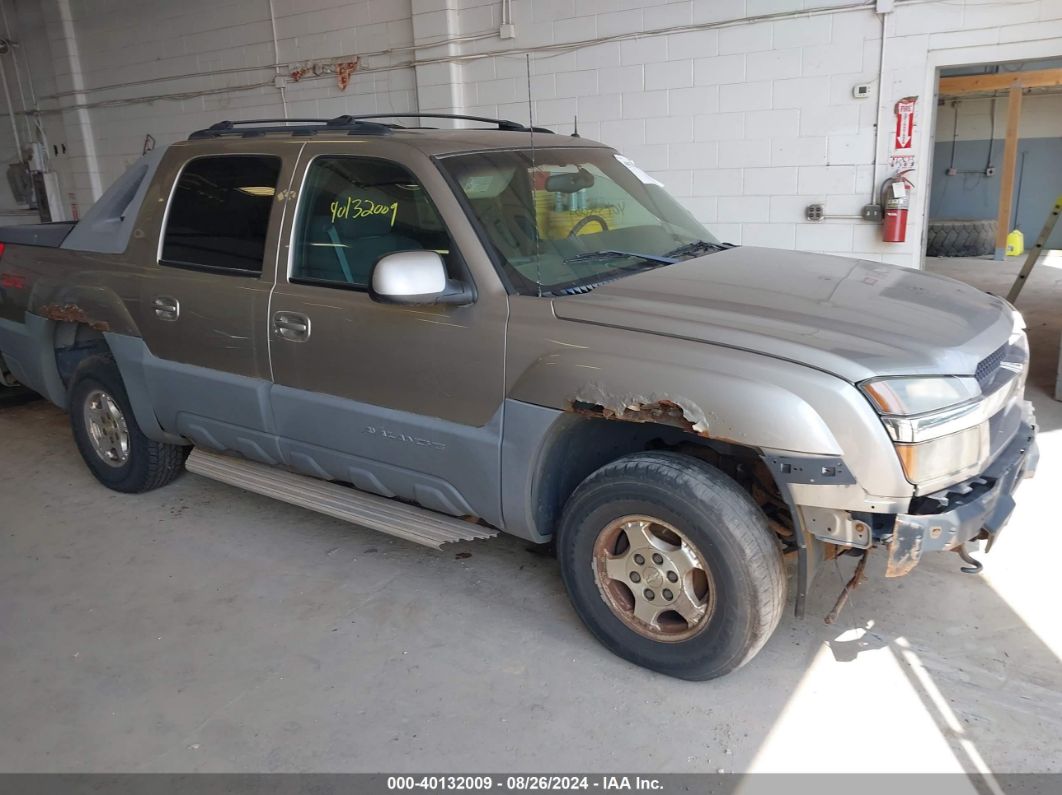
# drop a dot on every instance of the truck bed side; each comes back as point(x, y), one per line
point(64, 285)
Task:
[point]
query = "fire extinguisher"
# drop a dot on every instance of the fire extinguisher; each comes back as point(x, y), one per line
point(896, 200)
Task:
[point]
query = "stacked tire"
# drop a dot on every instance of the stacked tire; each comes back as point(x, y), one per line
point(961, 238)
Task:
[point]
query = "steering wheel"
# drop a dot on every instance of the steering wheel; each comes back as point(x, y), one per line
point(588, 219)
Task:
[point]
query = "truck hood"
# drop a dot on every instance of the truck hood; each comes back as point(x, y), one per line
point(853, 318)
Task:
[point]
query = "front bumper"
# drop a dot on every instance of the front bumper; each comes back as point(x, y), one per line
point(977, 508)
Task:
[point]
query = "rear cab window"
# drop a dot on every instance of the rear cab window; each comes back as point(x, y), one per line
point(355, 210)
point(218, 216)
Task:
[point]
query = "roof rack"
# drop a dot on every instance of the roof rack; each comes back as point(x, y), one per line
point(502, 124)
point(249, 128)
point(352, 125)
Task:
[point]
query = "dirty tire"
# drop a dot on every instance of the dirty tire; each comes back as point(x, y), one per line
point(961, 238)
point(729, 531)
point(150, 464)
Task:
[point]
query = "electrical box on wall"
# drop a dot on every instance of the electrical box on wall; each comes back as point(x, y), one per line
point(815, 212)
point(862, 91)
point(871, 212)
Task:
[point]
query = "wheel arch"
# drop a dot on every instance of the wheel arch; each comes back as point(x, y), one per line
point(581, 406)
point(714, 394)
point(74, 343)
point(547, 453)
point(63, 323)
point(98, 307)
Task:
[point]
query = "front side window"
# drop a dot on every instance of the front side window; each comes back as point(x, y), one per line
point(219, 213)
point(352, 212)
point(561, 220)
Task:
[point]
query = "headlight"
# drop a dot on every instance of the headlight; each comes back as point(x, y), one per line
point(906, 397)
point(935, 424)
point(948, 457)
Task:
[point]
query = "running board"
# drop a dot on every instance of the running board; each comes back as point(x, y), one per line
point(342, 502)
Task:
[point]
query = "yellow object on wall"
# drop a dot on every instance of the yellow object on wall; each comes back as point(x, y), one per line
point(555, 224)
point(543, 208)
point(562, 223)
point(1015, 243)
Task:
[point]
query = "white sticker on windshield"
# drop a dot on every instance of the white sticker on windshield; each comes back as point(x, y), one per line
point(641, 175)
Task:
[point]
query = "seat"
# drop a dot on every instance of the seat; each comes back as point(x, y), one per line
point(347, 250)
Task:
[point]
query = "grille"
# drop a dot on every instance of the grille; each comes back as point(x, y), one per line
point(986, 368)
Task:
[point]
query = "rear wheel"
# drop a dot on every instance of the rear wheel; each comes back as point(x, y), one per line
point(671, 565)
point(107, 436)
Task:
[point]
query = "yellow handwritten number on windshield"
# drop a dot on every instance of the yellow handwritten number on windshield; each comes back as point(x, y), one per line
point(362, 208)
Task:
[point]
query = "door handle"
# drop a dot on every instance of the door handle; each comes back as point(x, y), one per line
point(166, 308)
point(293, 326)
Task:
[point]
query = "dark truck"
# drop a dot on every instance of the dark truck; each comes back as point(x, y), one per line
point(444, 333)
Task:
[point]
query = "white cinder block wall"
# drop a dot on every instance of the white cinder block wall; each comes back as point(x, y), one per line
point(744, 108)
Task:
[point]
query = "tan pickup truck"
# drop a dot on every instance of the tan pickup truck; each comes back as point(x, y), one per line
point(441, 334)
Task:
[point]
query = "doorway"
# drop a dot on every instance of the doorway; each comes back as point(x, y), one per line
point(997, 158)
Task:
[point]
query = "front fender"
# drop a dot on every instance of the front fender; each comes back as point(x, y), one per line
point(718, 393)
point(715, 396)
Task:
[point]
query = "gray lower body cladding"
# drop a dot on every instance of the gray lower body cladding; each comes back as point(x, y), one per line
point(29, 353)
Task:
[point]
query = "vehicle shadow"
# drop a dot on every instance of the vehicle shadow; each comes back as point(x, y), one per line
point(16, 396)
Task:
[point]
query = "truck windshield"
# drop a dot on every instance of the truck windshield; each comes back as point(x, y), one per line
point(564, 220)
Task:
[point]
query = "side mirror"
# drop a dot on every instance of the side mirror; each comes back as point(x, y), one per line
point(415, 277)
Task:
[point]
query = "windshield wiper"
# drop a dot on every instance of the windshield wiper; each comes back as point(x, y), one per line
point(698, 247)
point(610, 254)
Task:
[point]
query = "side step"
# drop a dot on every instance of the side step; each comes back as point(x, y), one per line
point(342, 502)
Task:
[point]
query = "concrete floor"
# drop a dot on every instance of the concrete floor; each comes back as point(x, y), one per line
point(200, 628)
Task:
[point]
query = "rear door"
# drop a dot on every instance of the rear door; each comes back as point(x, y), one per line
point(403, 401)
point(205, 302)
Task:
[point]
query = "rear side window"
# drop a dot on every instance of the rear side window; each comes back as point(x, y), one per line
point(219, 213)
point(352, 212)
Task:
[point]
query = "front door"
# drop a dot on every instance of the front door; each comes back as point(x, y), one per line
point(205, 303)
point(403, 401)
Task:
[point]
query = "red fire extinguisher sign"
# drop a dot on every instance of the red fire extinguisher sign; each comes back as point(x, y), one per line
point(905, 114)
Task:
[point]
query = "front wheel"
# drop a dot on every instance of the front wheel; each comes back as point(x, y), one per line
point(672, 565)
point(107, 435)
